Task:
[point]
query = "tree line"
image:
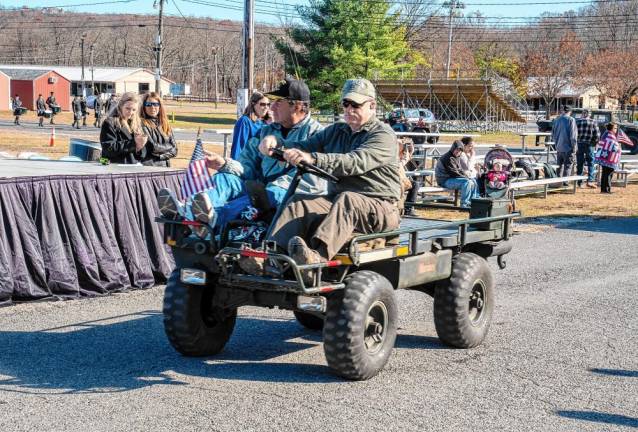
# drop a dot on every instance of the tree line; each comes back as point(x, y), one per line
point(330, 40)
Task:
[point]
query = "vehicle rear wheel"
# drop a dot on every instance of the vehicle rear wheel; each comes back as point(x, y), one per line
point(309, 321)
point(361, 326)
point(192, 325)
point(463, 304)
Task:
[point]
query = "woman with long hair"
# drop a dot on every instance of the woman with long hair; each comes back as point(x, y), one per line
point(161, 145)
point(121, 136)
point(249, 125)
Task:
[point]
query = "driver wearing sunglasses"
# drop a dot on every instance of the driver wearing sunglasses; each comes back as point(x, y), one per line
point(362, 153)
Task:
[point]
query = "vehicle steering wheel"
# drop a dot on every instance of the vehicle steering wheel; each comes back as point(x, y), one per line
point(278, 153)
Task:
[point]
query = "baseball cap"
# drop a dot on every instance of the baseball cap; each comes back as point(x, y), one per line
point(291, 89)
point(358, 90)
point(567, 108)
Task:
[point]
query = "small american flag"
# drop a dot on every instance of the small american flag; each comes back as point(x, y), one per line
point(197, 178)
point(623, 138)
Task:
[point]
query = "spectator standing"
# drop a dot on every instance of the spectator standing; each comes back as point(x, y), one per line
point(250, 123)
point(608, 156)
point(588, 136)
point(40, 107)
point(17, 109)
point(121, 136)
point(450, 175)
point(161, 146)
point(53, 106)
point(98, 107)
point(565, 138)
point(110, 105)
point(76, 107)
point(84, 110)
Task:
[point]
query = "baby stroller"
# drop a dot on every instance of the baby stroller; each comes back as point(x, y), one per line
point(496, 179)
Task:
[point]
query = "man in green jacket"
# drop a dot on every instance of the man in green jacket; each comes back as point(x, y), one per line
point(363, 153)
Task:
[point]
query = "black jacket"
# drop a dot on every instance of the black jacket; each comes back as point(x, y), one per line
point(449, 166)
point(118, 145)
point(159, 148)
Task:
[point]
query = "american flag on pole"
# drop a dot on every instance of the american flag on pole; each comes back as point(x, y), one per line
point(623, 138)
point(197, 178)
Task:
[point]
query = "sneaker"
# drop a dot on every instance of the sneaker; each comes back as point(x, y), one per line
point(169, 206)
point(302, 254)
point(203, 209)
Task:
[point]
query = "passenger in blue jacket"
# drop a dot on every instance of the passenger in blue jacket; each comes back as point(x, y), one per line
point(249, 125)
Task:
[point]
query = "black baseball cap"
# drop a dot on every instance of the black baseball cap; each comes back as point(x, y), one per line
point(291, 89)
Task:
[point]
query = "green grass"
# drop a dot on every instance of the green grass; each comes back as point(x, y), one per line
point(209, 121)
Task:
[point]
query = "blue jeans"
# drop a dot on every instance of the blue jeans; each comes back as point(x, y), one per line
point(228, 198)
point(467, 187)
point(585, 155)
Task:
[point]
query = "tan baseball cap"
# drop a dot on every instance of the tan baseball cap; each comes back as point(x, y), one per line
point(358, 90)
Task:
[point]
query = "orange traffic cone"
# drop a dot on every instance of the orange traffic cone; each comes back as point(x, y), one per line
point(52, 138)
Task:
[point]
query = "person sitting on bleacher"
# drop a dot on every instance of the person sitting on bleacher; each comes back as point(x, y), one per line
point(450, 175)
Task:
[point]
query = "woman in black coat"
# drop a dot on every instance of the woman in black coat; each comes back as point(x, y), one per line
point(161, 146)
point(121, 136)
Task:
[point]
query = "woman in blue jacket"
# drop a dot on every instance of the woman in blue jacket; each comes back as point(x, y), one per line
point(249, 124)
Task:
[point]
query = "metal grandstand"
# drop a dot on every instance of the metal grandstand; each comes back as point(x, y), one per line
point(461, 104)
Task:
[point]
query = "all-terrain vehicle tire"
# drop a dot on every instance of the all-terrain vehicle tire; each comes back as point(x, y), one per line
point(192, 326)
point(463, 304)
point(309, 321)
point(360, 326)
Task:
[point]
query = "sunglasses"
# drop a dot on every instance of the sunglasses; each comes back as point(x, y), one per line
point(264, 104)
point(151, 104)
point(347, 103)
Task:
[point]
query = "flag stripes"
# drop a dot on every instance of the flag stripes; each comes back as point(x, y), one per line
point(197, 178)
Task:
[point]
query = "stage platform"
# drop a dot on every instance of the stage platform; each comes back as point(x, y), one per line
point(35, 168)
point(72, 229)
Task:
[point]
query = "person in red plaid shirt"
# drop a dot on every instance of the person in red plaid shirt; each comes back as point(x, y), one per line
point(588, 136)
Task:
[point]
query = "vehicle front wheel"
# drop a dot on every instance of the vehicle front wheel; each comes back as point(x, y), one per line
point(360, 326)
point(193, 327)
point(463, 304)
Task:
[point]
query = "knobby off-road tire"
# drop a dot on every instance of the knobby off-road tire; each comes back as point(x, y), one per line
point(360, 326)
point(188, 322)
point(463, 304)
point(309, 321)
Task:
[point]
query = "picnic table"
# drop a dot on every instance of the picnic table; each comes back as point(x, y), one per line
point(226, 133)
point(537, 136)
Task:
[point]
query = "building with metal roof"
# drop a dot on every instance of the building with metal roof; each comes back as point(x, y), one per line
point(28, 83)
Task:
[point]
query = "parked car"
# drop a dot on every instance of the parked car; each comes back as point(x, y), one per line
point(603, 117)
point(413, 120)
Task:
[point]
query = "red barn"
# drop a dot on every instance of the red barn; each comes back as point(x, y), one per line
point(5, 97)
point(29, 83)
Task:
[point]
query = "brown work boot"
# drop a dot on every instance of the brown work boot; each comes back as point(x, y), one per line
point(251, 265)
point(302, 254)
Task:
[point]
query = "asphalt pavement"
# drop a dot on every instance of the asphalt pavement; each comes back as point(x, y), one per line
point(561, 355)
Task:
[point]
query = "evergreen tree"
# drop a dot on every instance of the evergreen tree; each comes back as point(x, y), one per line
point(345, 39)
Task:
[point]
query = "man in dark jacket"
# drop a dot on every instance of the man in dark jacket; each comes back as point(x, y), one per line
point(53, 106)
point(450, 175)
point(98, 106)
point(362, 153)
point(588, 136)
point(76, 107)
point(40, 107)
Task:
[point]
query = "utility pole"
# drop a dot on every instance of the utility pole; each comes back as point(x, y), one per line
point(248, 62)
point(158, 47)
point(453, 5)
point(216, 86)
point(91, 62)
point(266, 68)
point(82, 55)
